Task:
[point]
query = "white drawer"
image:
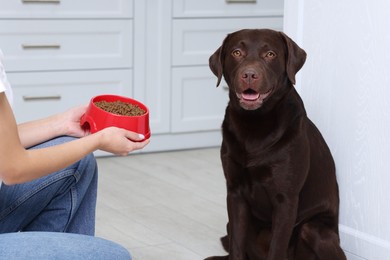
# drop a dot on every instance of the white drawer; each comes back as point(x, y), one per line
point(66, 9)
point(195, 40)
point(40, 94)
point(41, 45)
point(227, 8)
point(197, 105)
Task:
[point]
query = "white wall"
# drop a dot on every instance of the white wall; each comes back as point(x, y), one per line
point(345, 85)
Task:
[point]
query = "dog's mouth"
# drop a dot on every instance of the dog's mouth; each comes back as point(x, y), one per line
point(251, 99)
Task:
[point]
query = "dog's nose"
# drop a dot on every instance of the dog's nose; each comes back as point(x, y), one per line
point(250, 75)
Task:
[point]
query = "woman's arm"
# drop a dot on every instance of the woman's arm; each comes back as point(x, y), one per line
point(19, 165)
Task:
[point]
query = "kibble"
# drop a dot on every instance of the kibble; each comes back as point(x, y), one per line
point(120, 108)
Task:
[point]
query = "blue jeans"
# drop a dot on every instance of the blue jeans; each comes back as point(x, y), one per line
point(64, 201)
point(61, 246)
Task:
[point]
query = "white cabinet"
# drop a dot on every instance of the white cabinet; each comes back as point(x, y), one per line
point(42, 45)
point(61, 53)
point(60, 9)
point(194, 40)
point(197, 105)
point(40, 94)
point(227, 8)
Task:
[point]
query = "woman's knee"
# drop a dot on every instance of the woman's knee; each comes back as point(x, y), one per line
point(88, 162)
point(49, 245)
point(87, 168)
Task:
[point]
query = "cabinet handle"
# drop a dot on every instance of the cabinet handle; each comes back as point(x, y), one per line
point(41, 1)
point(41, 46)
point(41, 98)
point(240, 1)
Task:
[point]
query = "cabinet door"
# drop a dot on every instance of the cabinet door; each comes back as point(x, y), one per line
point(197, 105)
point(40, 94)
point(227, 8)
point(194, 40)
point(41, 45)
point(66, 9)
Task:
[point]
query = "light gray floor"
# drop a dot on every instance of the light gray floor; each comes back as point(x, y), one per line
point(163, 205)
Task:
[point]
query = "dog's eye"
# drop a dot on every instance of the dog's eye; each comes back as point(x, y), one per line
point(236, 53)
point(270, 54)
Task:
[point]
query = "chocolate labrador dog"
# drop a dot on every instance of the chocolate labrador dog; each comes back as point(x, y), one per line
point(282, 192)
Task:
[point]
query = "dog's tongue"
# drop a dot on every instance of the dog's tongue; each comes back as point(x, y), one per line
point(250, 96)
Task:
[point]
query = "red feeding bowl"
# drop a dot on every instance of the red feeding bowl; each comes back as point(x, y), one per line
point(97, 119)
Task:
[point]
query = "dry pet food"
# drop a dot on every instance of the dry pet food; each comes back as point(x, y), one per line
point(120, 108)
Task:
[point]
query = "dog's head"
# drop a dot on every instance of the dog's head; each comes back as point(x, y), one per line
point(256, 63)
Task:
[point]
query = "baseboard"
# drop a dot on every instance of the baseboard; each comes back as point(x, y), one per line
point(178, 141)
point(351, 256)
point(362, 246)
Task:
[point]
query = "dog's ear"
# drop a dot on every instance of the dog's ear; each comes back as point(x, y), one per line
point(296, 57)
point(215, 64)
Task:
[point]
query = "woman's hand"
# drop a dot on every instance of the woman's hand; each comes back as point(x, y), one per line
point(120, 141)
point(70, 121)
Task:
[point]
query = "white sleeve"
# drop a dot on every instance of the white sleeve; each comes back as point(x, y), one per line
point(2, 87)
point(4, 84)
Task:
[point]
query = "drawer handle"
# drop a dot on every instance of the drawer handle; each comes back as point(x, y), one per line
point(41, 1)
point(41, 46)
point(41, 98)
point(241, 1)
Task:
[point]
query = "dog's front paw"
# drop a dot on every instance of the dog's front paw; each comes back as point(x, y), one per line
point(217, 258)
point(225, 243)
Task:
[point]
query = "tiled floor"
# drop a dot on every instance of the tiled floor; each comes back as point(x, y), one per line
point(163, 205)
